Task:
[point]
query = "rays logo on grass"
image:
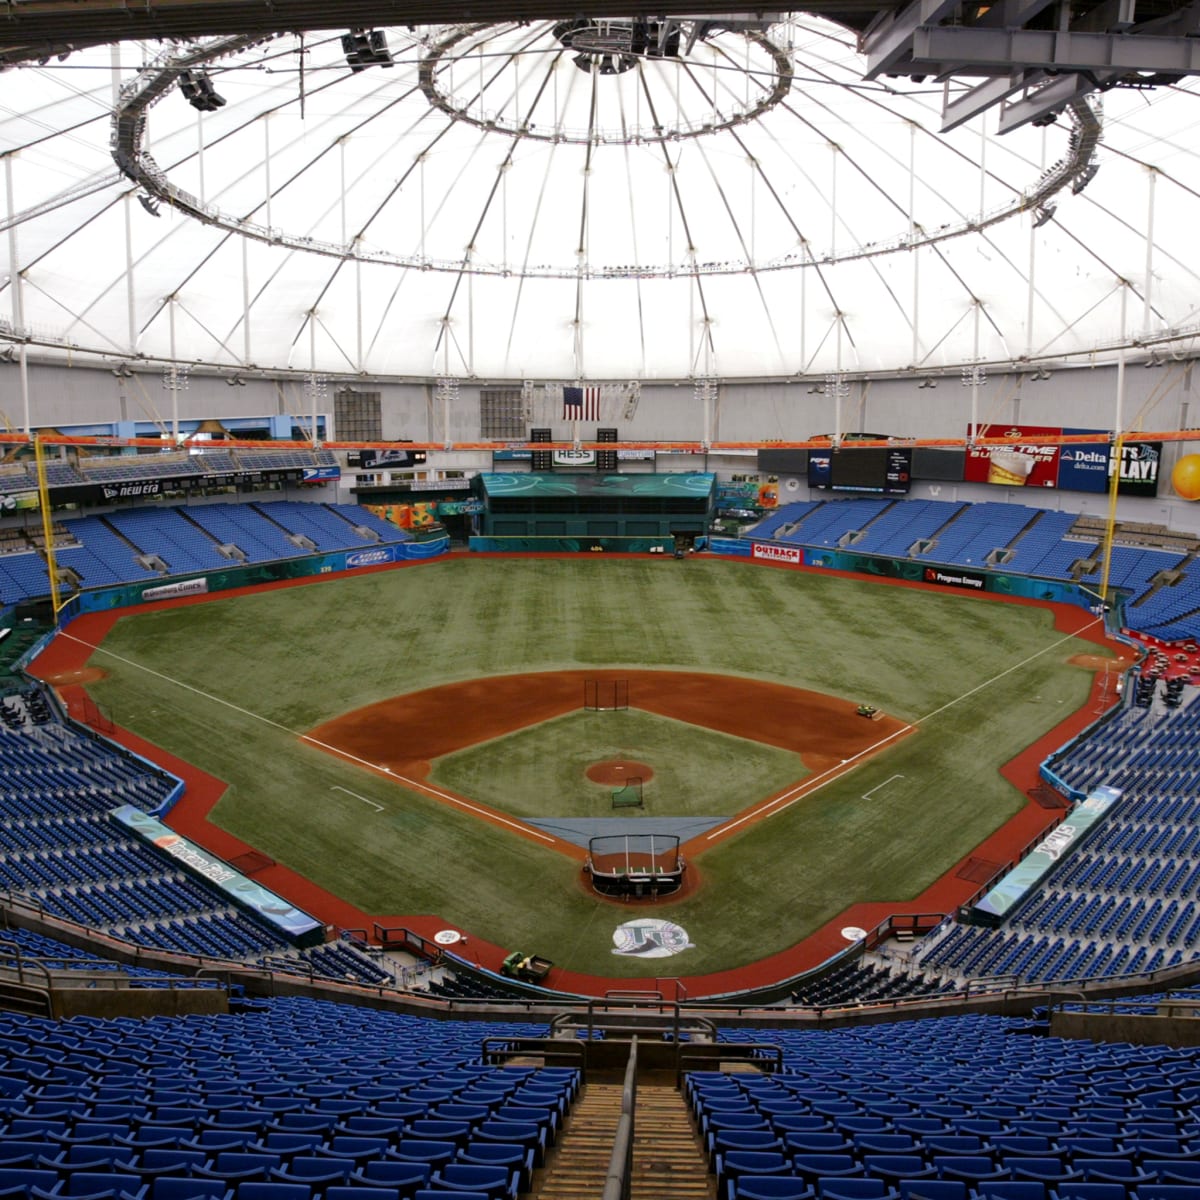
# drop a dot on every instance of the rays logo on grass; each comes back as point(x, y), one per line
point(649, 937)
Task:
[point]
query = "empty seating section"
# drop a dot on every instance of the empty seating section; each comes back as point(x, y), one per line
point(53, 955)
point(103, 557)
point(105, 550)
point(356, 515)
point(828, 523)
point(58, 846)
point(895, 531)
point(241, 526)
point(960, 1108)
point(977, 531)
point(1045, 549)
point(1039, 542)
point(115, 468)
point(1128, 899)
point(777, 523)
point(328, 530)
point(335, 960)
point(1171, 613)
point(324, 1100)
point(171, 535)
point(852, 982)
point(1133, 569)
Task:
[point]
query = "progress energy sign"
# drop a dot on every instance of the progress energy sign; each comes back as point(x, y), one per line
point(1013, 888)
point(1075, 466)
point(291, 922)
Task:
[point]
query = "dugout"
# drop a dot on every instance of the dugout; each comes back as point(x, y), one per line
point(581, 508)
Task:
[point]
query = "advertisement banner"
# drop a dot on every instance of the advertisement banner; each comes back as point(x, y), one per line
point(997, 904)
point(131, 488)
point(389, 458)
point(186, 587)
point(747, 493)
point(820, 468)
point(1029, 463)
point(767, 552)
point(1087, 466)
point(574, 458)
point(459, 508)
point(18, 502)
point(1076, 466)
point(370, 558)
point(320, 474)
point(292, 923)
point(954, 577)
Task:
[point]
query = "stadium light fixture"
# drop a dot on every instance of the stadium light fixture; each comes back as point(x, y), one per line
point(366, 48)
point(199, 92)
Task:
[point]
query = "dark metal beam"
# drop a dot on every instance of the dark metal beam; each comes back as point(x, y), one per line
point(34, 29)
point(991, 51)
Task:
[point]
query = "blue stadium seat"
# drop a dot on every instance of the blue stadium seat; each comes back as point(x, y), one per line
point(167, 1162)
point(826, 1166)
point(748, 1162)
point(932, 1189)
point(178, 1187)
point(769, 1187)
point(405, 1177)
point(432, 1154)
point(497, 1183)
point(1088, 1191)
point(517, 1158)
point(21, 1181)
point(1010, 1189)
point(855, 1189)
point(273, 1191)
point(316, 1171)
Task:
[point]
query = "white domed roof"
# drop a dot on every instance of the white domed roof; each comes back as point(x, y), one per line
point(525, 200)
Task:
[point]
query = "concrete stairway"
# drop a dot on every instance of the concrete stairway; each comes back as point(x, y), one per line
point(668, 1158)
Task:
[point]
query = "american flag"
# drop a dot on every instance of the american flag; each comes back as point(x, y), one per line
point(581, 404)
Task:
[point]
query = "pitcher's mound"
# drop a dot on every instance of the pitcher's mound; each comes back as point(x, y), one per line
point(619, 770)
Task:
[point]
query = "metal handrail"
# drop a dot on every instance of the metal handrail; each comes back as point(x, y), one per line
point(494, 1050)
point(773, 1060)
point(618, 1183)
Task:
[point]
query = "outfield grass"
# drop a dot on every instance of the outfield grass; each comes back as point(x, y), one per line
point(540, 771)
point(268, 666)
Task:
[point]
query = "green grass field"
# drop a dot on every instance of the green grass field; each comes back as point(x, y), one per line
point(540, 771)
point(230, 684)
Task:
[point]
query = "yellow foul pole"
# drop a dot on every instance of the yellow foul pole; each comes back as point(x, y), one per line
point(1114, 484)
point(47, 523)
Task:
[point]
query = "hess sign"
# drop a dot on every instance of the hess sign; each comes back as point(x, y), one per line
point(574, 458)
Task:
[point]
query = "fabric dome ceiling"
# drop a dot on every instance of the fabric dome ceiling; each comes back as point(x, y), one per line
point(527, 201)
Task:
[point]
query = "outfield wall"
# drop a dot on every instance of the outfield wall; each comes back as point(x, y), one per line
point(971, 579)
point(571, 545)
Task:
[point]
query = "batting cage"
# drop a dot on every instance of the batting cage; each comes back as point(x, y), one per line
point(635, 865)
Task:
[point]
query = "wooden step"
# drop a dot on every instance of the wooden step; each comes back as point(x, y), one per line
point(668, 1157)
